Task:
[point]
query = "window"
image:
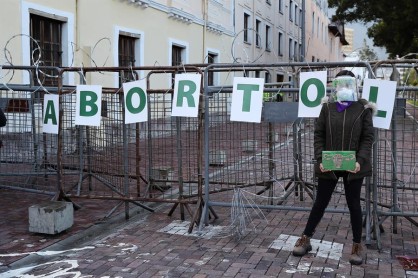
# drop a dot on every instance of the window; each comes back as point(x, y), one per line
point(48, 36)
point(281, 6)
point(300, 17)
point(257, 74)
point(317, 27)
point(280, 44)
point(258, 33)
point(105, 109)
point(246, 27)
point(291, 10)
point(212, 58)
point(176, 57)
point(126, 57)
point(313, 23)
point(296, 15)
point(267, 78)
point(290, 49)
point(301, 55)
point(17, 105)
point(295, 50)
point(268, 47)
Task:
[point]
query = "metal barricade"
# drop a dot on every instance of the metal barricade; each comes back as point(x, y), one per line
point(272, 162)
point(28, 156)
point(198, 164)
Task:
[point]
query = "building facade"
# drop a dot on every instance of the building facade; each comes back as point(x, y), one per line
point(324, 39)
point(269, 32)
point(349, 36)
point(108, 33)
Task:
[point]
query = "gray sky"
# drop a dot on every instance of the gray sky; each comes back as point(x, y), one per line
point(360, 33)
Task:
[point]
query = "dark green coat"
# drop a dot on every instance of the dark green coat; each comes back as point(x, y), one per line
point(350, 130)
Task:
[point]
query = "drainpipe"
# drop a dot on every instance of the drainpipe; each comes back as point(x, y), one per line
point(205, 20)
point(234, 17)
point(253, 32)
point(303, 31)
point(77, 35)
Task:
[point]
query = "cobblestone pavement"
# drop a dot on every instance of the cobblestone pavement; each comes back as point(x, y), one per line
point(156, 245)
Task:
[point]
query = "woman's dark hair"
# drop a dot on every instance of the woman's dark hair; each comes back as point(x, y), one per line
point(345, 73)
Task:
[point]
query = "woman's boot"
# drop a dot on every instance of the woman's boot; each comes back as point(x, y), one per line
point(302, 246)
point(356, 257)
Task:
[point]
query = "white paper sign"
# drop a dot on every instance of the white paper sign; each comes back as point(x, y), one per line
point(136, 101)
point(88, 105)
point(186, 95)
point(51, 114)
point(313, 86)
point(247, 99)
point(381, 92)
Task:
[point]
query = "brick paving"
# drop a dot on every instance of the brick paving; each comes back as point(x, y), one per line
point(156, 245)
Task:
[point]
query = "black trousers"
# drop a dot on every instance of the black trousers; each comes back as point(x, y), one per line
point(352, 196)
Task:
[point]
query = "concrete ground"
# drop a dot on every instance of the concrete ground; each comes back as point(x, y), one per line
point(157, 245)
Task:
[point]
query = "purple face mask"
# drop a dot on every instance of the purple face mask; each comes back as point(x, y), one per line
point(341, 106)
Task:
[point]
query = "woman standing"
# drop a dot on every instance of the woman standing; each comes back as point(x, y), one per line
point(344, 124)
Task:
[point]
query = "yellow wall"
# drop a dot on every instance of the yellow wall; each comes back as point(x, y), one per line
point(94, 25)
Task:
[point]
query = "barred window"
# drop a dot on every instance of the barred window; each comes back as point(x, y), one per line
point(176, 57)
point(46, 44)
point(126, 57)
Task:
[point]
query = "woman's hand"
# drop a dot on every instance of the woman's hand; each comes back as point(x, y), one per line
point(321, 167)
point(355, 169)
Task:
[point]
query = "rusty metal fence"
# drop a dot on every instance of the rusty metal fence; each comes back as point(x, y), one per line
point(28, 157)
point(159, 161)
point(143, 163)
point(198, 164)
